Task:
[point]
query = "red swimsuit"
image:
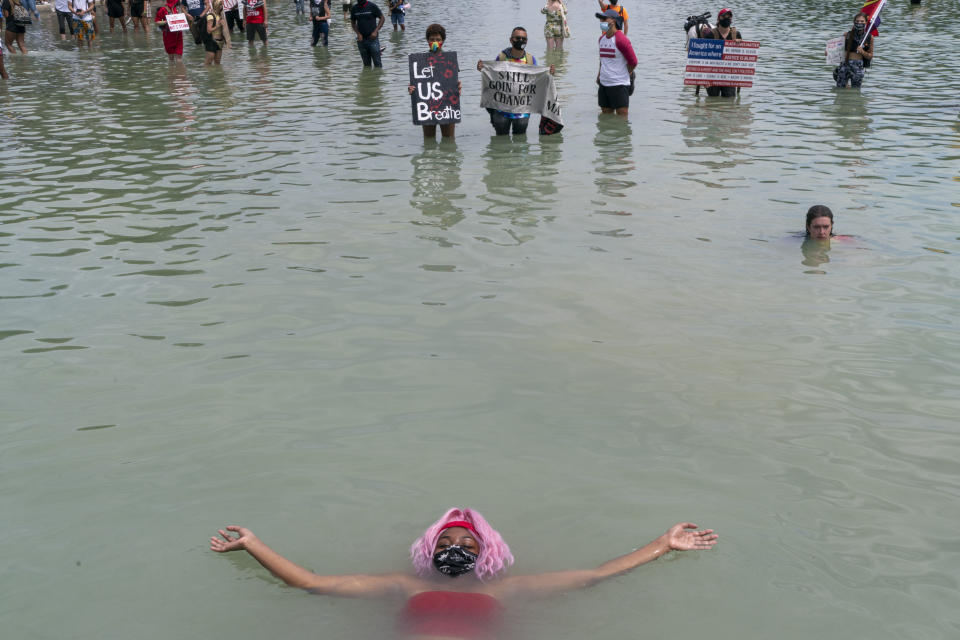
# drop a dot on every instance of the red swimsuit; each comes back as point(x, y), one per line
point(451, 614)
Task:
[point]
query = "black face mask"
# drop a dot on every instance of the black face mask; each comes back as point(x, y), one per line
point(519, 43)
point(724, 22)
point(859, 27)
point(454, 561)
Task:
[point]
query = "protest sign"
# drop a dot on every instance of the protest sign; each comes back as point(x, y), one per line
point(435, 97)
point(177, 22)
point(721, 63)
point(835, 51)
point(519, 88)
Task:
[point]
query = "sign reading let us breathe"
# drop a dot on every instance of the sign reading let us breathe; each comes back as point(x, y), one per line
point(434, 77)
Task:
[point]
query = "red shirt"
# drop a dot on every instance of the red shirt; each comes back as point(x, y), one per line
point(253, 14)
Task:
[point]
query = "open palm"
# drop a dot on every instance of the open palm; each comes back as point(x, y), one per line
point(680, 538)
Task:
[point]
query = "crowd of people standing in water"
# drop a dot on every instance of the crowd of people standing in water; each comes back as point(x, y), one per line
point(211, 23)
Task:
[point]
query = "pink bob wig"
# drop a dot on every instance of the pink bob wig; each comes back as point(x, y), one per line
point(494, 556)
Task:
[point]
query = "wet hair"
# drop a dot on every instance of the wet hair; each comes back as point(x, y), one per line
point(437, 29)
point(494, 555)
point(818, 211)
point(515, 29)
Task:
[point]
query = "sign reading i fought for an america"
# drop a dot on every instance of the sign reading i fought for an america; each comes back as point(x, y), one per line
point(721, 63)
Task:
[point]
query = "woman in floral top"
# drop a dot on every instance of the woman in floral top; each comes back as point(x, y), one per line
point(556, 29)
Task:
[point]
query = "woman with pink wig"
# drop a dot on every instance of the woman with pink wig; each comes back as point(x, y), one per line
point(458, 582)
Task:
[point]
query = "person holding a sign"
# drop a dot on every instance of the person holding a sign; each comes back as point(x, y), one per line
point(436, 36)
point(857, 54)
point(617, 61)
point(82, 11)
point(723, 31)
point(366, 19)
point(231, 12)
point(172, 40)
point(504, 121)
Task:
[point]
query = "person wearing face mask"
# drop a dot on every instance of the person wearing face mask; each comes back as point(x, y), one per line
point(503, 121)
point(614, 5)
point(858, 50)
point(723, 31)
point(617, 62)
point(459, 581)
point(436, 36)
point(367, 19)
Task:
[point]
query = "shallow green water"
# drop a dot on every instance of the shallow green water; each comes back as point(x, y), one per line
point(253, 295)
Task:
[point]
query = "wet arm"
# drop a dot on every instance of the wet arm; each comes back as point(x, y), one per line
point(676, 538)
point(294, 575)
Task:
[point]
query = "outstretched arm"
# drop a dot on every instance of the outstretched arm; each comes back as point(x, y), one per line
point(357, 586)
point(677, 538)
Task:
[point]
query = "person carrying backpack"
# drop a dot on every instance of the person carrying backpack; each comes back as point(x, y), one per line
point(615, 5)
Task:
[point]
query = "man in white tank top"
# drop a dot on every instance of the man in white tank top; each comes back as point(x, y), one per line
point(617, 62)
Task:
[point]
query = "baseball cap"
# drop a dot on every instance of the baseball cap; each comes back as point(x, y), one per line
point(610, 13)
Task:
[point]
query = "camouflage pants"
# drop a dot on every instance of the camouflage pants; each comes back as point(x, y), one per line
point(850, 71)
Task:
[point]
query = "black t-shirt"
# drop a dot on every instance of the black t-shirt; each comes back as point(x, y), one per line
point(367, 16)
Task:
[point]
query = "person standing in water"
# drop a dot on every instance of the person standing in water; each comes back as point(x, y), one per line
point(255, 15)
point(115, 11)
point(137, 15)
point(504, 121)
point(172, 40)
point(723, 31)
point(64, 17)
point(83, 22)
point(216, 36)
point(3, 68)
point(231, 11)
point(436, 36)
point(398, 14)
point(320, 17)
point(458, 586)
point(14, 34)
point(367, 19)
point(858, 49)
point(617, 62)
point(555, 29)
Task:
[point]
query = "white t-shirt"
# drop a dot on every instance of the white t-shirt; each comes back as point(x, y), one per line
point(63, 6)
point(615, 54)
point(82, 5)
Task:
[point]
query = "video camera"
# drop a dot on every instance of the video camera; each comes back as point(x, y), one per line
point(703, 18)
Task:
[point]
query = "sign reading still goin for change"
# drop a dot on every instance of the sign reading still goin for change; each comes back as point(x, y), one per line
point(721, 63)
